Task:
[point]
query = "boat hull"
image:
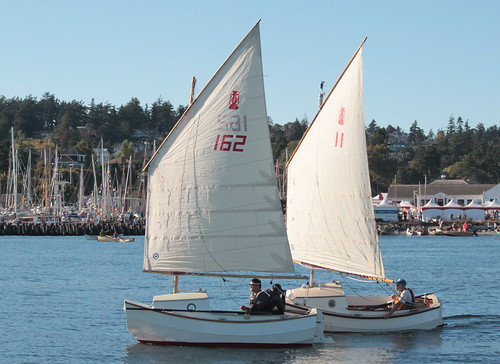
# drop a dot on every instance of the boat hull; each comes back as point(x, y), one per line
point(459, 233)
point(351, 314)
point(110, 239)
point(164, 326)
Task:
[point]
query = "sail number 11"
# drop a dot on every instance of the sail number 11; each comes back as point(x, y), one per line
point(228, 142)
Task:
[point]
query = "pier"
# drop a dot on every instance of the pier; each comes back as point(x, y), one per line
point(70, 228)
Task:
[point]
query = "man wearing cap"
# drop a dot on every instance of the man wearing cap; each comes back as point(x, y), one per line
point(255, 285)
point(403, 299)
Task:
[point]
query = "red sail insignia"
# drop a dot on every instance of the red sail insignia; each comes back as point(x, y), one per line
point(234, 100)
point(342, 116)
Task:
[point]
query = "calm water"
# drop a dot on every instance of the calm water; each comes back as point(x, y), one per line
point(62, 302)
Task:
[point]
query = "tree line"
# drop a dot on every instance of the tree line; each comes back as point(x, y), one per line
point(459, 150)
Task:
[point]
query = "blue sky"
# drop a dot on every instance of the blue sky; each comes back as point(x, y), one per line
point(423, 60)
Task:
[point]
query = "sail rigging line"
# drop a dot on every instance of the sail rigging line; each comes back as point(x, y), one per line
point(343, 275)
point(321, 107)
point(224, 281)
point(194, 101)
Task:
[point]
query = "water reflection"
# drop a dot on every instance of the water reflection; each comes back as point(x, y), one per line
point(141, 353)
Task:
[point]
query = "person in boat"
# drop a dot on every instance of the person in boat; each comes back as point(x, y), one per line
point(267, 301)
point(403, 299)
point(255, 288)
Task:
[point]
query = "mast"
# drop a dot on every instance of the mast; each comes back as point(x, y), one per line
point(80, 194)
point(14, 171)
point(103, 194)
point(395, 189)
point(45, 181)
point(126, 186)
point(95, 193)
point(425, 189)
point(143, 179)
point(28, 172)
point(321, 94)
point(193, 84)
point(191, 99)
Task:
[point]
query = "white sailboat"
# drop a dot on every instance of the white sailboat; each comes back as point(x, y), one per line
point(330, 218)
point(213, 209)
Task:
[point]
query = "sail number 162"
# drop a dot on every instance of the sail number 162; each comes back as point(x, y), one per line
point(228, 142)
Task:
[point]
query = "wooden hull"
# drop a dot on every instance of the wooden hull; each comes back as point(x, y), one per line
point(114, 240)
point(353, 314)
point(459, 233)
point(164, 326)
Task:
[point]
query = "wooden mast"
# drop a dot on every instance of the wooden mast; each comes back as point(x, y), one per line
point(191, 99)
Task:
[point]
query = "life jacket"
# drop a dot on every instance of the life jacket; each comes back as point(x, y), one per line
point(269, 301)
point(406, 305)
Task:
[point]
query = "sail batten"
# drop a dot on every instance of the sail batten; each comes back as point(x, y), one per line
point(213, 202)
point(330, 219)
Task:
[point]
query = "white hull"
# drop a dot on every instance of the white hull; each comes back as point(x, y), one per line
point(183, 319)
point(348, 313)
point(110, 239)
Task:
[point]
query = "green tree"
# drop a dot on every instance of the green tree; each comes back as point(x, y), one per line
point(163, 116)
point(382, 167)
point(127, 149)
point(416, 135)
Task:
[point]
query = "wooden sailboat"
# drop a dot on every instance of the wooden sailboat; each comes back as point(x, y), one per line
point(330, 218)
point(213, 209)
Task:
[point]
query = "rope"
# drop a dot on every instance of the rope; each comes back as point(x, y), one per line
point(365, 281)
point(228, 290)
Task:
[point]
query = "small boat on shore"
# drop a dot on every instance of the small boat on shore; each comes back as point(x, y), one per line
point(110, 239)
point(435, 231)
point(459, 233)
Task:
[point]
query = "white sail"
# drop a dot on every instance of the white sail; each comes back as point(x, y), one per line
point(213, 203)
point(330, 219)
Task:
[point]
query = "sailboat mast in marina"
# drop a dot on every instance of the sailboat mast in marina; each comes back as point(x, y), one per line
point(213, 209)
point(330, 218)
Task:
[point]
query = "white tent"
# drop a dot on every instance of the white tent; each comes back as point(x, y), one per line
point(431, 210)
point(493, 205)
point(451, 210)
point(474, 211)
point(384, 202)
point(379, 198)
point(492, 208)
point(406, 204)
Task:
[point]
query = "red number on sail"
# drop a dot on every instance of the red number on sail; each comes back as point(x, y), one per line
point(240, 143)
point(226, 144)
point(337, 140)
